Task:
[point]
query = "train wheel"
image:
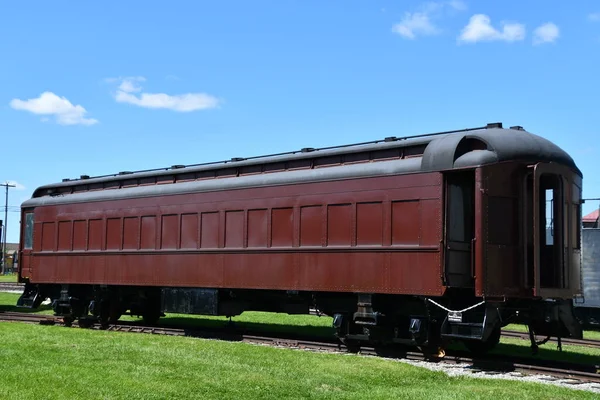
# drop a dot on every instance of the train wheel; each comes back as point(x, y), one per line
point(114, 318)
point(352, 345)
point(151, 318)
point(115, 312)
point(85, 323)
point(478, 347)
point(68, 321)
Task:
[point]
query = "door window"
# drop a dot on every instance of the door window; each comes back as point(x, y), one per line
point(28, 233)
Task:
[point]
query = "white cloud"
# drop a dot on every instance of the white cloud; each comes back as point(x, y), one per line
point(413, 24)
point(17, 185)
point(457, 5)
point(480, 29)
point(130, 85)
point(594, 17)
point(126, 93)
point(420, 23)
point(62, 109)
point(546, 33)
point(120, 78)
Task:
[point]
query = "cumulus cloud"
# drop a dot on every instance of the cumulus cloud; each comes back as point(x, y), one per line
point(17, 185)
point(546, 33)
point(595, 17)
point(420, 23)
point(480, 29)
point(64, 112)
point(130, 91)
point(414, 24)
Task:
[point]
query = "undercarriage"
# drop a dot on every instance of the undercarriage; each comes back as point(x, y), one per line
point(358, 319)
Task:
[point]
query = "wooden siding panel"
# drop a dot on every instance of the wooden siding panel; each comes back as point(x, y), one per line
point(405, 222)
point(48, 236)
point(148, 232)
point(282, 227)
point(311, 224)
point(64, 235)
point(189, 231)
point(431, 226)
point(339, 225)
point(234, 229)
point(113, 233)
point(257, 228)
point(169, 231)
point(131, 233)
point(369, 224)
point(95, 234)
point(79, 235)
point(210, 230)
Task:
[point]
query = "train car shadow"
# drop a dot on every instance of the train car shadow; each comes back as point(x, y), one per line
point(243, 327)
point(549, 352)
point(13, 308)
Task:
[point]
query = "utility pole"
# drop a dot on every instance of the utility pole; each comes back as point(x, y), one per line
point(6, 185)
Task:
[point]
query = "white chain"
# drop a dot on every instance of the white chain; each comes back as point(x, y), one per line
point(461, 311)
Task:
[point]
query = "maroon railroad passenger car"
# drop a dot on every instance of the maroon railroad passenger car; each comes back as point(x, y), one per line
point(414, 240)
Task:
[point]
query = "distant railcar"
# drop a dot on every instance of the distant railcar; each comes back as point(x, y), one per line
point(587, 308)
point(418, 240)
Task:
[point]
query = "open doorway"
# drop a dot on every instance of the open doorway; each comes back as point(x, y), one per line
point(550, 232)
point(460, 228)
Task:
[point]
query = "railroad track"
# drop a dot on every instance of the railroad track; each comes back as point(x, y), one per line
point(574, 342)
point(505, 333)
point(11, 286)
point(493, 364)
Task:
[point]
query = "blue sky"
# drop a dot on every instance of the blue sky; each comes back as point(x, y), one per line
point(95, 88)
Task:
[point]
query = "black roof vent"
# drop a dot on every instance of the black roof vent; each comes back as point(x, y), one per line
point(125, 172)
point(237, 159)
point(66, 180)
point(177, 166)
point(494, 125)
point(307, 149)
point(390, 139)
point(517, 128)
point(84, 177)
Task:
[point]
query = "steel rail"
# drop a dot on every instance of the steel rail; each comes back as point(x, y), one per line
point(569, 341)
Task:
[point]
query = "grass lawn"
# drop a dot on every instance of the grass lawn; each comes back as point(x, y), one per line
point(8, 278)
point(47, 362)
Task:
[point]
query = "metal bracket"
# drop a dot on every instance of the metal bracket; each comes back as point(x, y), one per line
point(455, 316)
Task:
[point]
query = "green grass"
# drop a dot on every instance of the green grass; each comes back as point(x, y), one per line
point(8, 278)
point(47, 362)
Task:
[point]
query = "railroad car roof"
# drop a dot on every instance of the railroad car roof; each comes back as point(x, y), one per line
point(421, 153)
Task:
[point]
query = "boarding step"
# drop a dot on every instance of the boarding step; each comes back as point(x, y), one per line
point(462, 330)
point(30, 298)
